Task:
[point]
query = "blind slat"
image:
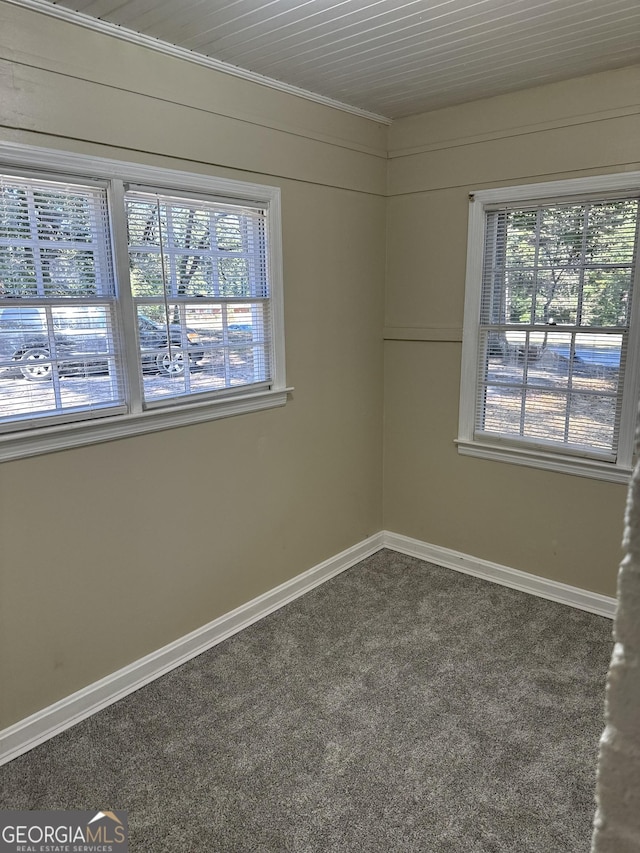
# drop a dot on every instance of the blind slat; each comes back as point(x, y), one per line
point(182, 251)
point(58, 328)
point(554, 319)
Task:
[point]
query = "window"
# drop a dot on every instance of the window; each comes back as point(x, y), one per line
point(181, 253)
point(131, 299)
point(551, 330)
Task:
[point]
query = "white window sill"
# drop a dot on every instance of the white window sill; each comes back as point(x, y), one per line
point(532, 458)
point(35, 442)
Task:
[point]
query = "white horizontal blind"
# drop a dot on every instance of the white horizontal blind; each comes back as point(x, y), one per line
point(199, 280)
point(554, 322)
point(58, 344)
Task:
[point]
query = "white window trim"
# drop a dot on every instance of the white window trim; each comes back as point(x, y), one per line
point(39, 440)
point(498, 450)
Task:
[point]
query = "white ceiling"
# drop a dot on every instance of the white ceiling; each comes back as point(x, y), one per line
point(392, 58)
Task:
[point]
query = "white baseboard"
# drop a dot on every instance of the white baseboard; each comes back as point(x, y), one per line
point(582, 599)
point(45, 724)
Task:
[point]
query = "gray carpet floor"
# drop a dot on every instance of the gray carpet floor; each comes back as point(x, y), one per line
point(398, 707)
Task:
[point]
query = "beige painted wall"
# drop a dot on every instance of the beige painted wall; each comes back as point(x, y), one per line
point(111, 551)
point(561, 527)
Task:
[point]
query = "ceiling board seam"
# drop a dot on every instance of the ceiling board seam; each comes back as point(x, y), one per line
point(261, 24)
point(370, 45)
point(476, 56)
point(573, 47)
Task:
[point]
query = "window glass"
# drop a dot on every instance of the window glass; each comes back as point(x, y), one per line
point(551, 341)
point(188, 318)
point(199, 281)
point(59, 347)
point(549, 272)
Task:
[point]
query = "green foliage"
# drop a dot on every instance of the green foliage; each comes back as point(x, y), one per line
point(46, 242)
point(200, 248)
point(567, 264)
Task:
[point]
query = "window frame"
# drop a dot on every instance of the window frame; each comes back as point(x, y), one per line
point(175, 412)
point(532, 454)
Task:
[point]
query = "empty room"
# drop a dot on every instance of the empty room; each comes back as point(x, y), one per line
point(319, 373)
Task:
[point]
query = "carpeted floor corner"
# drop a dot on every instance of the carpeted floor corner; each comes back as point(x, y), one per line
point(398, 707)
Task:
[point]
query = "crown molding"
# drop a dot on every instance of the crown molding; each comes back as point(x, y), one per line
point(106, 28)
